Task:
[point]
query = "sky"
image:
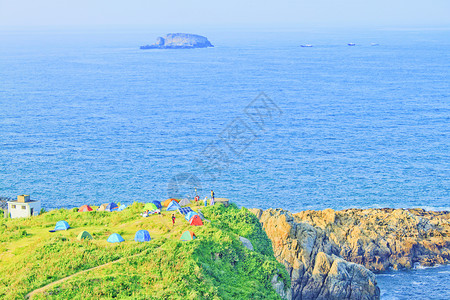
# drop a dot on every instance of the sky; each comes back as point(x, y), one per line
point(232, 13)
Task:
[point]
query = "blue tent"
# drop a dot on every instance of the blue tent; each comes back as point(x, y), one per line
point(189, 215)
point(111, 206)
point(62, 225)
point(142, 236)
point(173, 205)
point(157, 203)
point(122, 207)
point(115, 238)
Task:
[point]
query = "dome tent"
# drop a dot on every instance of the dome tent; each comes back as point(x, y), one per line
point(85, 208)
point(167, 202)
point(142, 236)
point(187, 236)
point(189, 215)
point(102, 207)
point(173, 206)
point(157, 203)
point(184, 202)
point(122, 207)
point(62, 225)
point(150, 206)
point(111, 206)
point(196, 221)
point(115, 238)
point(84, 235)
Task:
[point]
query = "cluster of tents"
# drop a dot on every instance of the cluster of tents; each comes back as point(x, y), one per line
point(140, 236)
point(153, 207)
point(104, 207)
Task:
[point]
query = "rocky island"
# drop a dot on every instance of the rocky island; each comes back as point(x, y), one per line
point(179, 41)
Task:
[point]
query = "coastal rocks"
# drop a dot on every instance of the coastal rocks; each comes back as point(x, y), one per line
point(315, 268)
point(278, 286)
point(333, 254)
point(385, 238)
point(179, 41)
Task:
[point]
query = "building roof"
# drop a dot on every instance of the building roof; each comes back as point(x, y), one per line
point(17, 202)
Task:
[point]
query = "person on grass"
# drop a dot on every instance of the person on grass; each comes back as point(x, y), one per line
point(173, 219)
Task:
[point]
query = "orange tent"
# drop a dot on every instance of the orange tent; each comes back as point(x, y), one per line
point(167, 202)
point(85, 208)
point(188, 236)
point(196, 221)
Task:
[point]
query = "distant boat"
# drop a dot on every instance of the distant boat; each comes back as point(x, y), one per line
point(307, 45)
point(374, 44)
point(351, 44)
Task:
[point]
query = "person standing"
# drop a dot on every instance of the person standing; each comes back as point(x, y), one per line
point(212, 195)
point(173, 220)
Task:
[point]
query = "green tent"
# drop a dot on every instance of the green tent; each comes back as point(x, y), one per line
point(187, 236)
point(84, 236)
point(150, 206)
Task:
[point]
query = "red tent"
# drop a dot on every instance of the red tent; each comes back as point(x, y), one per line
point(196, 221)
point(84, 208)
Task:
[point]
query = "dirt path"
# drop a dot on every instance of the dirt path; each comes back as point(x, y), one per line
point(50, 285)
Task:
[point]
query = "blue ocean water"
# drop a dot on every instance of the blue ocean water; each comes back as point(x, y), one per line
point(420, 283)
point(87, 117)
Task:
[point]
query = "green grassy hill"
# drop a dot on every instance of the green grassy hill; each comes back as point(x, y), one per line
point(214, 266)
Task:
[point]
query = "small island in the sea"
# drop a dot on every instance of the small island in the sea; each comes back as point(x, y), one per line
point(180, 41)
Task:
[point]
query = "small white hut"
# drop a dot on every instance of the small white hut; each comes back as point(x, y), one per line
point(24, 207)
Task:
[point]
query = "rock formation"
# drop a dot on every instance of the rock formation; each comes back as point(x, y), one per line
point(331, 254)
point(179, 41)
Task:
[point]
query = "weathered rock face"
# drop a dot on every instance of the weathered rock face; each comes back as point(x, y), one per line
point(316, 272)
point(331, 254)
point(382, 238)
point(179, 41)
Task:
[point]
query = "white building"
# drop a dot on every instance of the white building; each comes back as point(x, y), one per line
point(24, 207)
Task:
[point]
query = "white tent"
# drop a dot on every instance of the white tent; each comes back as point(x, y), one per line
point(184, 202)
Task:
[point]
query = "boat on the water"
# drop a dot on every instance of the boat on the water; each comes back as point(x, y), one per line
point(374, 44)
point(306, 45)
point(351, 44)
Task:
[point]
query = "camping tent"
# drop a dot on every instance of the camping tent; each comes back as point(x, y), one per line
point(84, 235)
point(150, 206)
point(102, 207)
point(142, 236)
point(85, 208)
point(189, 215)
point(184, 202)
point(62, 225)
point(187, 236)
point(167, 202)
point(115, 238)
point(196, 221)
point(157, 203)
point(122, 207)
point(111, 207)
point(173, 206)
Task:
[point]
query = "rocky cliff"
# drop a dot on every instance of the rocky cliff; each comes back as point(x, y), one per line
point(333, 254)
point(179, 41)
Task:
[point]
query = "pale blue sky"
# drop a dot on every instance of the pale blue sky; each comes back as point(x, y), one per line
point(236, 13)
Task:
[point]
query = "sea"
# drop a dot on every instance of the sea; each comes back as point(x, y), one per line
point(86, 117)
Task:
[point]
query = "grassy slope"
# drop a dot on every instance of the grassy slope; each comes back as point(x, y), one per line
point(214, 266)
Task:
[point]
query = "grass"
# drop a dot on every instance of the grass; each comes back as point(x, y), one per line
point(214, 266)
